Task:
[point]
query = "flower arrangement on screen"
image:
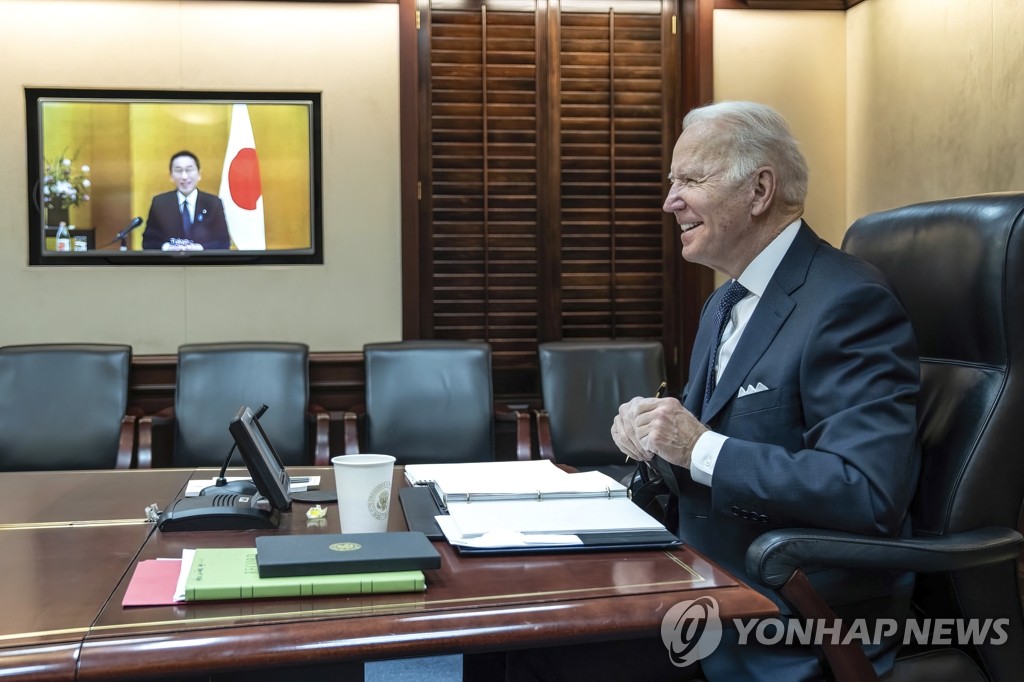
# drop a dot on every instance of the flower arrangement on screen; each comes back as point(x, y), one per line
point(63, 184)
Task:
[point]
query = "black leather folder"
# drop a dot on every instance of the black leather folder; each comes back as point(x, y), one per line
point(420, 508)
point(323, 554)
point(592, 542)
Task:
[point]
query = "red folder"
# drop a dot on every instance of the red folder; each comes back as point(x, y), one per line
point(153, 583)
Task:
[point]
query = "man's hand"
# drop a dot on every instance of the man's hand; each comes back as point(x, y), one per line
point(646, 427)
point(624, 434)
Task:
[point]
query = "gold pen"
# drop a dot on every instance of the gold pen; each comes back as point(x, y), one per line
point(657, 394)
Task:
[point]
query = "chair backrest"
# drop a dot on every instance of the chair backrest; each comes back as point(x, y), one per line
point(429, 401)
point(958, 267)
point(215, 379)
point(582, 385)
point(61, 405)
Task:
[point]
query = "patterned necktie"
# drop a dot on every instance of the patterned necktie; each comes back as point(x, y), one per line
point(732, 296)
point(186, 219)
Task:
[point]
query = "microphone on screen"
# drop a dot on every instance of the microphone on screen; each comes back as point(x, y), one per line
point(131, 226)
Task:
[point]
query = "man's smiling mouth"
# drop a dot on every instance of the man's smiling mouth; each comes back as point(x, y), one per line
point(686, 227)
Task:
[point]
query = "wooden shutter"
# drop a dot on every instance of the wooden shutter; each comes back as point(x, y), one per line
point(612, 108)
point(543, 153)
point(483, 179)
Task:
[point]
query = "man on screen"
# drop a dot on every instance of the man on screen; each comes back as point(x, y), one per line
point(186, 219)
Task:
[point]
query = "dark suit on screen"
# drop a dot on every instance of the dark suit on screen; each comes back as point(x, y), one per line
point(209, 226)
point(833, 441)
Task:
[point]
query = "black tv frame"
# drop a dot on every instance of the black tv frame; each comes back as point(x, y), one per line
point(261, 459)
point(314, 255)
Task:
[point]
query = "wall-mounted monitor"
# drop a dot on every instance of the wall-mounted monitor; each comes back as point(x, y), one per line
point(133, 177)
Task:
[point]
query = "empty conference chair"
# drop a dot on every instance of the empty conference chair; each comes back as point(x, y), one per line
point(63, 406)
point(958, 267)
point(432, 401)
point(582, 385)
point(213, 381)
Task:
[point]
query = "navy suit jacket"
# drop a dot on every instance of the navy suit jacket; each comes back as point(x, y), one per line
point(209, 227)
point(833, 441)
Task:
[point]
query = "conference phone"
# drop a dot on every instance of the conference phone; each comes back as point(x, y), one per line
point(236, 505)
point(220, 511)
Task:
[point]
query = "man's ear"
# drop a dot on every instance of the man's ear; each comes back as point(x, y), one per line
point(764, 190)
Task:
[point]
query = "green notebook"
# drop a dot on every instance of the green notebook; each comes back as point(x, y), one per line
point(232, 573)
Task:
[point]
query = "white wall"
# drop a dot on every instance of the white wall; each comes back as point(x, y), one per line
point(349, 52)
point(894, 101)
point(794, 62)
point(936, 95)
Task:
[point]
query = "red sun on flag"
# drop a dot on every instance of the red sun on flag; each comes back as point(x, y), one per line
point(244, 178)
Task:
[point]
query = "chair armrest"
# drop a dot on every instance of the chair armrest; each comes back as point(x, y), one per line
point(126, 442)
point(145, 437)
point(321, 419)
point(775, 556)
point(544, 446)
point(777, 559)
point(350, 423)
point(524, 446)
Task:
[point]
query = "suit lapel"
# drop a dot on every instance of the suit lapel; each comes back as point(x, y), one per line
point(172, 216)
point(200, 215)
point(771, 312)
point(699, 360)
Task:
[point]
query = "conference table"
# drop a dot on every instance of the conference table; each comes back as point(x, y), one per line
point(69, 542)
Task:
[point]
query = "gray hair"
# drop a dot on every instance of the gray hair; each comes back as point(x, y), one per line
point(759, 137)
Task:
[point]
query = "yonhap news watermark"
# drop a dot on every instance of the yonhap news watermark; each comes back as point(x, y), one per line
point(692, 630)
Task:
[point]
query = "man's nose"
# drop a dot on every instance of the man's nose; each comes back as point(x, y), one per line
point(673, 202)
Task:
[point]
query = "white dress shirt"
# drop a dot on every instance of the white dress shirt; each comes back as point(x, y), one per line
point(755, 279)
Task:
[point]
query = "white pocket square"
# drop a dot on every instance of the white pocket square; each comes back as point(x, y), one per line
point(751, 389)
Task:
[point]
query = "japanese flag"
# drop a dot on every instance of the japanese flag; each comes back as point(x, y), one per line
point(240, 187)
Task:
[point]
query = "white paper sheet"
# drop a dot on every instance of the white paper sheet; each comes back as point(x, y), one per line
point(499, 539)
point(534, 478)
point(196, 485)
point(553, 516)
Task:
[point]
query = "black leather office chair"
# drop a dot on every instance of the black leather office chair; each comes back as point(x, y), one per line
point(214, 380)
point(958, 266)
point(582, 384)
point(63, 406)
point(431, 401)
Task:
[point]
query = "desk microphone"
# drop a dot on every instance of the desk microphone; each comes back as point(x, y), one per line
point(221, 482)
point(124, 233)
point(136, 221)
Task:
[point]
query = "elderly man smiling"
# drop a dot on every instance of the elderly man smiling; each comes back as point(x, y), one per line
point(801, 404)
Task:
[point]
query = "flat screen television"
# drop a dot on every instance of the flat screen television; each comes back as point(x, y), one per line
point(105, 168)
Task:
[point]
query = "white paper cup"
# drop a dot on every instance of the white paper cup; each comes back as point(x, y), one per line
point(364, 491)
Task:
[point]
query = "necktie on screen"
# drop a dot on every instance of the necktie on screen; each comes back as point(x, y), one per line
point(186, 219)
point(733, 295)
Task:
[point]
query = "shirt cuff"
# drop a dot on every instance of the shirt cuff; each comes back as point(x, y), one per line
point(705, 455)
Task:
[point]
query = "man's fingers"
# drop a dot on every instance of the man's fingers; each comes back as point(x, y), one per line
point(624, 444)
point(626, 440)
point(641, 406)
